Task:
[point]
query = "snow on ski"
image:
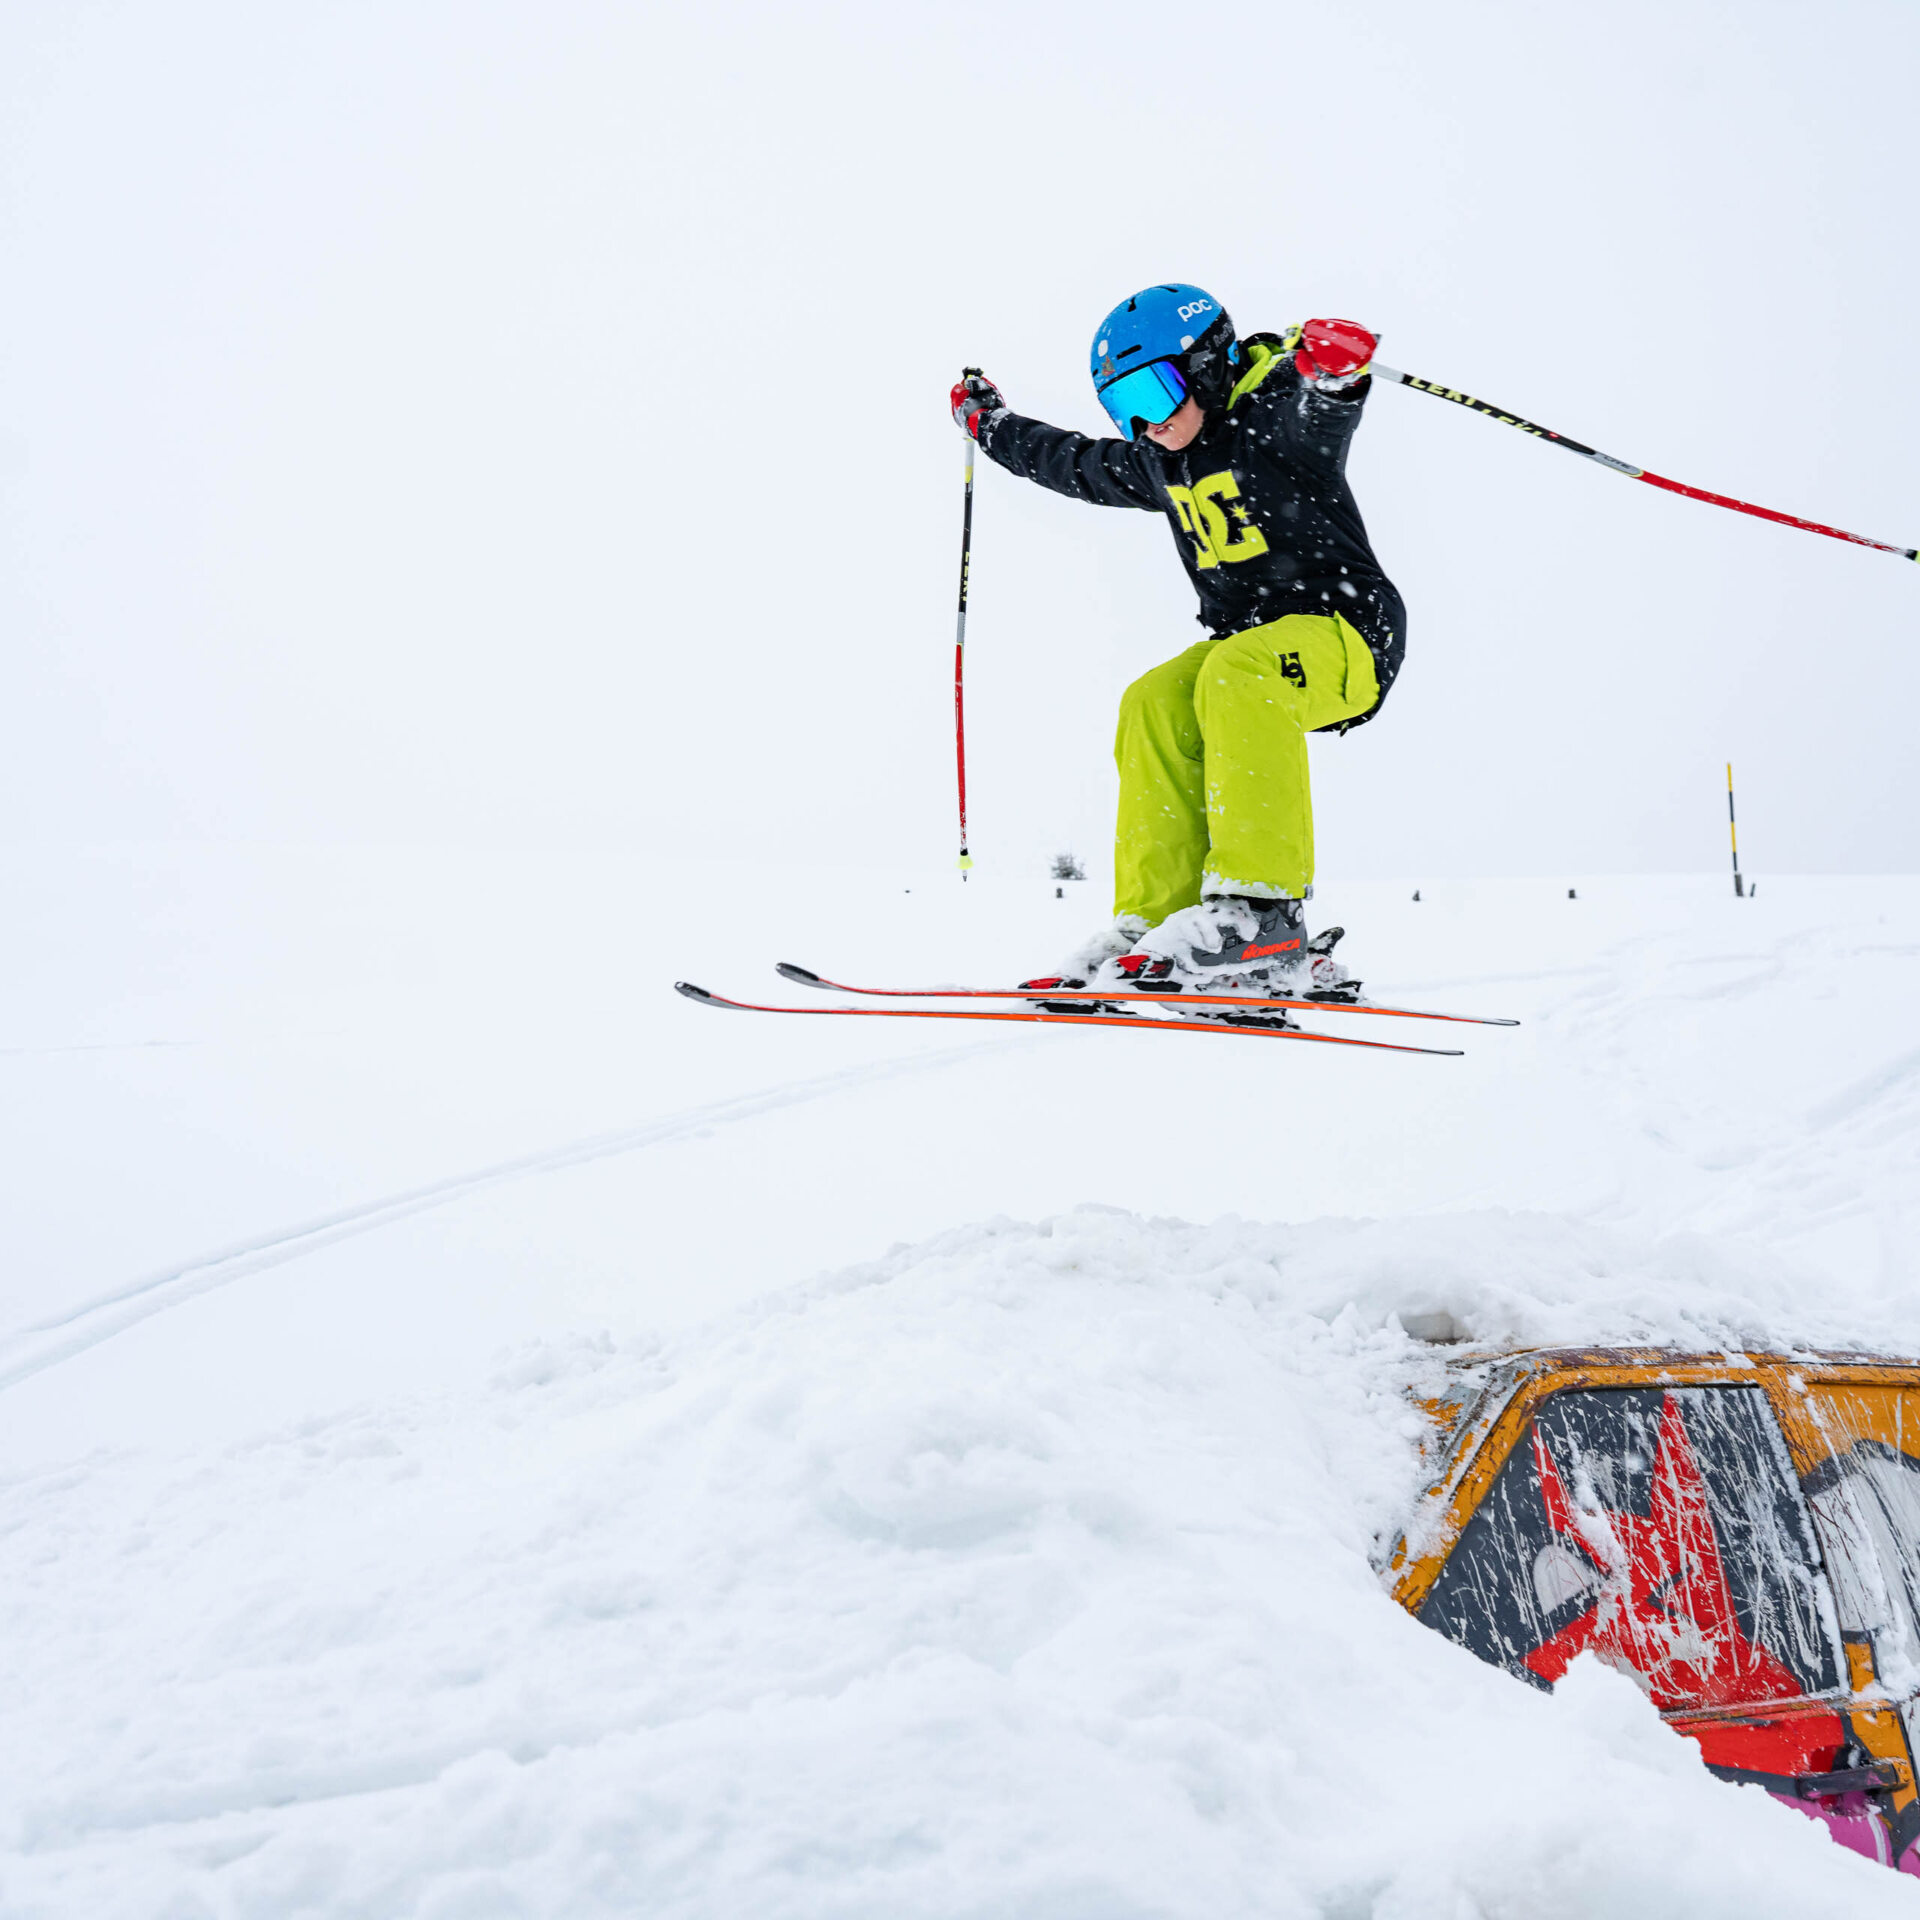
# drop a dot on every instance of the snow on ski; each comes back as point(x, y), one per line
point(805, 977)
point(1195, 1023)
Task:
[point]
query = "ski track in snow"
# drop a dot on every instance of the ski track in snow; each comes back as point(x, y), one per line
point(46, 1344)
point(1774, 1167)
point(91, 1046)
point(1867, 1092)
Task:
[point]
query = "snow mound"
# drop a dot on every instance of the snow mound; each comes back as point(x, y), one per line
point(1542, 1280)
point(1024, 1572)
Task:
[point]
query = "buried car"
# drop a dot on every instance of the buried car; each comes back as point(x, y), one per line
point(1738, 1532)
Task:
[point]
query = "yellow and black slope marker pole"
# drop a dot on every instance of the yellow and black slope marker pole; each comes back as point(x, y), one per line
point(960, 655)
point(1632, 472)
point(1733, 837)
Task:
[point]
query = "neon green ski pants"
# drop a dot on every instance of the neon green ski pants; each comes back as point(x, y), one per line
point(1212, 750)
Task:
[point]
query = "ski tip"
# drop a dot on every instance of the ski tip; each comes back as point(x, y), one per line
point(800, 976)
point(695, 993)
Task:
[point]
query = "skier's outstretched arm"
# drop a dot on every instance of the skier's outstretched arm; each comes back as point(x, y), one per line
point(1309, 387)
point(1105, 473)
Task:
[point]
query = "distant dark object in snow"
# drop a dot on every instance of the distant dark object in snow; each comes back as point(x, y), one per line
point(1067, 867)
point(1571, 895)
point(1416, 893)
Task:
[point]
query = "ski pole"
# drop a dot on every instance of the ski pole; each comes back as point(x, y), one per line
point(960, 656)
point(1633, 472)
point(1733, 837)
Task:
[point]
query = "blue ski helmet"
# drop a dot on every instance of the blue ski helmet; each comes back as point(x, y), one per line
point(1154, 349)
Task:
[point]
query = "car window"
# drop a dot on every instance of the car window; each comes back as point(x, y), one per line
point(1866, 1503)
point(1659, 1528)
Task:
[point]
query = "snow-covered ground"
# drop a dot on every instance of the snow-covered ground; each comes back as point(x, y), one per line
point(484, 1437)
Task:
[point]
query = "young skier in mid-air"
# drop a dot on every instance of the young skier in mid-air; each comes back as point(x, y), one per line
point(1242, 445)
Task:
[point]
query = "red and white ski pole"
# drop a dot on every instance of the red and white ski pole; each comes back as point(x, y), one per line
point(960, 656)
point(1632, 472)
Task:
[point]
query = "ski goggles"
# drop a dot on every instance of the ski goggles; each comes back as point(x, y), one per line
point(1152, 393)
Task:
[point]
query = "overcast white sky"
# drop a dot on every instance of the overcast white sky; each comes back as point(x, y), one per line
point(492, 422)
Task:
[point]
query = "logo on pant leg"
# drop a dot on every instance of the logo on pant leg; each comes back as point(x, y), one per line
point(1291, 669)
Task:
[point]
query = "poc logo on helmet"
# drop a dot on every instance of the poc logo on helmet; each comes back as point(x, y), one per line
point(1197, 306)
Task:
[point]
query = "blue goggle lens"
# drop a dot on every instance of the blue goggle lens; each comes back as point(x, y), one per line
point(1152, 393)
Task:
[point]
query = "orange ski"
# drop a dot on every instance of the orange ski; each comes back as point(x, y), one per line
point(804, 977)
point(1253, 1024)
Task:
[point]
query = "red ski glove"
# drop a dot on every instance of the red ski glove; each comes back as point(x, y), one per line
point(1333, 353)
point(975, 399)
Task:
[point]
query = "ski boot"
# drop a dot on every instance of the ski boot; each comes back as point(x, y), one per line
point(1235, 944)
point(1227, 944)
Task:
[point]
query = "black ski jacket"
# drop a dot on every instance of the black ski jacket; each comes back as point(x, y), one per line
point(1259, 503)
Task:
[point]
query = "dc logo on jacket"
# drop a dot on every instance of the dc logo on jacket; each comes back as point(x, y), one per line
point(1205, 521)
